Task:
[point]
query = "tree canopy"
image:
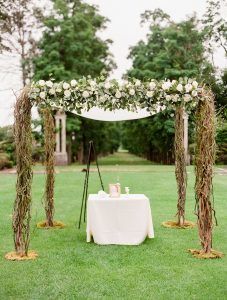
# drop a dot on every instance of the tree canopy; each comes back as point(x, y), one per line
point(71, 48)
point(171, 50)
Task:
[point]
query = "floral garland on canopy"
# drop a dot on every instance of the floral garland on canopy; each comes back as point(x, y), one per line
point(153, 95)
point(112, 95)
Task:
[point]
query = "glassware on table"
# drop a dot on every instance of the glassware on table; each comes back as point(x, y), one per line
point(127, 190)
point(102, 194)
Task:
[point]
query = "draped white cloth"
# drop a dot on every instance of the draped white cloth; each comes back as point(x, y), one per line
point(123, 221)
point(100, 114)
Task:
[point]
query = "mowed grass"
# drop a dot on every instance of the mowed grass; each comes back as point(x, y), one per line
point(70, 268)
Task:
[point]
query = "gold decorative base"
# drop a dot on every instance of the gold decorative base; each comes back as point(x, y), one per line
point(15, 256)
point(201, 254)
point(174, 224)
point(57, 224)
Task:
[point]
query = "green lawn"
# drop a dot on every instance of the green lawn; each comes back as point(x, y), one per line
point(70, 268)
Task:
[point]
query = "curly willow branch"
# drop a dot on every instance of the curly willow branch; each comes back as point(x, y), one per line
point(204, 161)
point(22, 204)
point(180, 165)
point(49, 132)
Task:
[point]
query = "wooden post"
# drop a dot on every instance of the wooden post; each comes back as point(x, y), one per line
point(187, 156)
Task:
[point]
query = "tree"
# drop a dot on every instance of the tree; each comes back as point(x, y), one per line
point(19, 21)
point(215, 26)
point(215, 36)
point(69, 49)
point(7, 147)
point(156, 142)
point(172, 50)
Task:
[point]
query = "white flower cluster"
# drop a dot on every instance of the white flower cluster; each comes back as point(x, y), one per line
point(111, 94)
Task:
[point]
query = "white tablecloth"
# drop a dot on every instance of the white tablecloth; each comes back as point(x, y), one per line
point(123, 221)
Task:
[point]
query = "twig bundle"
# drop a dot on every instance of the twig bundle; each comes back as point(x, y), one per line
point(22, 204)
point(204, 161)
point(49, 133)
point(180, 165)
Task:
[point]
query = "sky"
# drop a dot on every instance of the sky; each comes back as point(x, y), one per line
point(125, 31)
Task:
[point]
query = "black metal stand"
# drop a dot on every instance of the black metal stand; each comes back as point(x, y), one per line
point(84, 197)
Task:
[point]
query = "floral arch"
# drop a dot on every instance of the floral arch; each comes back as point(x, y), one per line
point(181, 95)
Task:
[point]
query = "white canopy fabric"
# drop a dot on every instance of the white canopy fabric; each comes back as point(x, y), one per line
point(99, 114)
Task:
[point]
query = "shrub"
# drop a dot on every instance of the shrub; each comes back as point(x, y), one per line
point(5, 162)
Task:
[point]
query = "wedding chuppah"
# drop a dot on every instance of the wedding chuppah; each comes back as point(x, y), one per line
point(124, 220)
point(182, 95)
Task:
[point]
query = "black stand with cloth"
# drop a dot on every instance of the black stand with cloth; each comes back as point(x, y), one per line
point(84, 197)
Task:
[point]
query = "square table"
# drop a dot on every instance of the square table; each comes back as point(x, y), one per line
point(126, 220)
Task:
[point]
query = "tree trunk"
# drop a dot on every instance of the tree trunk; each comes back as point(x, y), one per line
point(180, 165)
point(22, 204)
point(49, 137)
point(204, 161)
point(80, 154)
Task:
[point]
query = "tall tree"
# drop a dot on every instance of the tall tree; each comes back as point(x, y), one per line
point(215, 26)
point(69, 49)
point(172, 50)
point(19, 21)
point(215, 36)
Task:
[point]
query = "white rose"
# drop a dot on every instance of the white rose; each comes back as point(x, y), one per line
point(42, 82)
point(66, 86)
point(92, 83)
point(137, 83)
point(187, 97)
point(58, 90)
point(179, 87)
point(118, 94)
point(49, 83)
point(85, 94)
point(176, 97)
point(52, 91)
point(73, 82)
point(107, 85)
point(194, 93)
point(36, 90)
point(149, 94)
point(42, 95)
point(168, 97)
point(132, 92)
point(67, 93)
point(102, 99)
point(195, 84)
point(166, 85)
point(188, 87)
point(152, 85)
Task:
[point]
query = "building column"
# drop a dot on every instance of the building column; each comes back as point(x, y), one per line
point(61, 157)
point(187, 156)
